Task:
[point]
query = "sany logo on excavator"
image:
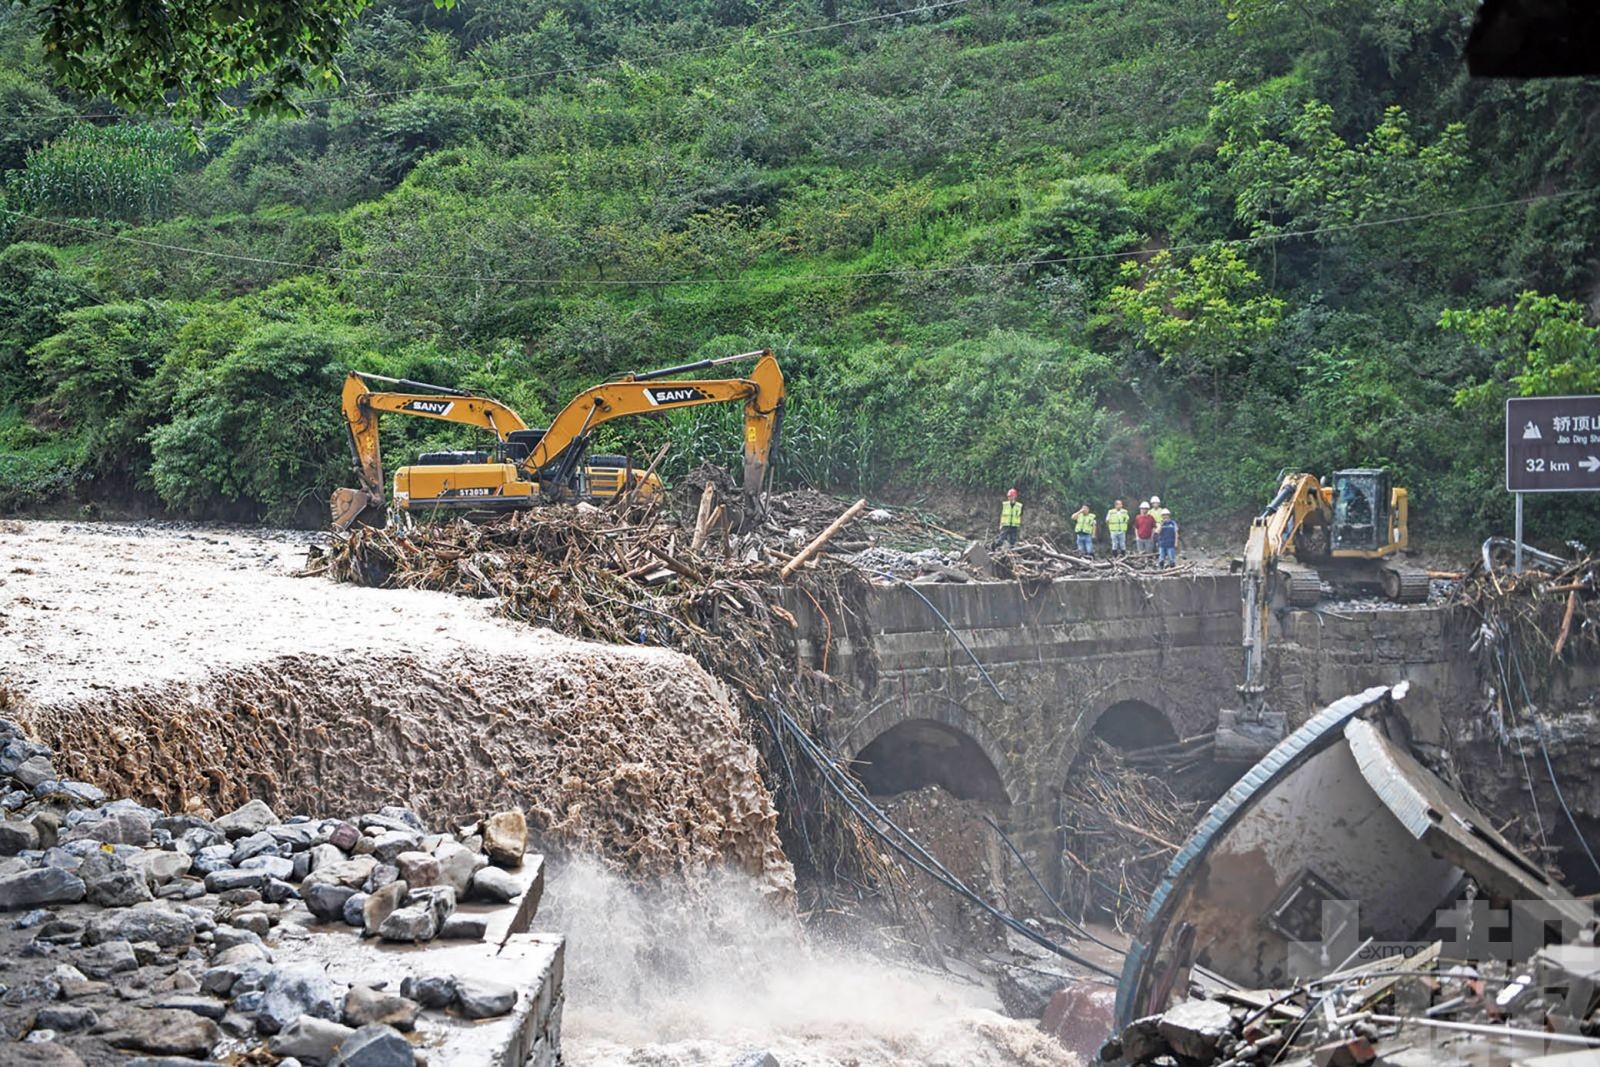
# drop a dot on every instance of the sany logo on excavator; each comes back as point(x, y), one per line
point(675, 395)
point(429, 407)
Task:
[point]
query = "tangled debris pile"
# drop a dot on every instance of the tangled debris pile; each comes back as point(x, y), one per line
point(1419, 1008)
point(147, 932)
point(1119, 822)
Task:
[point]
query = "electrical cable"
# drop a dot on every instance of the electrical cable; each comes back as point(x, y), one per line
point(947, 625)
point(818, 279)
point(1538, 729)
point(1522, 752)
point(933, 868)
point(1026, 866)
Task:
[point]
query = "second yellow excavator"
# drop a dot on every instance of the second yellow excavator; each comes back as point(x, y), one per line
point(1349, 533)
point(534, 466)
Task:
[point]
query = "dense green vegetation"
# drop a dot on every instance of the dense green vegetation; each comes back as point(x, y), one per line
point(1096, 248)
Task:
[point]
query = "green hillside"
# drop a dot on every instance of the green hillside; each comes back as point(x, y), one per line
point(1090, 248)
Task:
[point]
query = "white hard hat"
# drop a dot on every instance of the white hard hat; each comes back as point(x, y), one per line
point(1144, 503)
point(1155, 500)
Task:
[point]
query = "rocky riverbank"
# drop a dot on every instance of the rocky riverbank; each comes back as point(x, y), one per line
point(133, 935)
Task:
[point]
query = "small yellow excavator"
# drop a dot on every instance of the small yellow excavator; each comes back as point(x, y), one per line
point(1351, 534)
point(535, 466)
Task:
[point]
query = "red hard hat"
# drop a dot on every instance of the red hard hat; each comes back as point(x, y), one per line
point(1011, 492)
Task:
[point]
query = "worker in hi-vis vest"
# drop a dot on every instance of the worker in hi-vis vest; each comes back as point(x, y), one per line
point(1117, 527)
point(1010, 520)
point(1084, 524)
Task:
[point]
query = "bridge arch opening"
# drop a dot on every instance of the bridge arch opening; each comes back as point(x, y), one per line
point(922, 752)
point(1133, 724)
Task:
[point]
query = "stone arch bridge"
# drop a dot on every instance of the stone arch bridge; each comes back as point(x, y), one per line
point(1140, 661)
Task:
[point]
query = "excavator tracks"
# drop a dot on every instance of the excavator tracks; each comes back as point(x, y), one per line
point(1406, 585)
point(1305, 589)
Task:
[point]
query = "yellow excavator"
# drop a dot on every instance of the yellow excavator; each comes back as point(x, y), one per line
point(1350, 534)
point(535, 466)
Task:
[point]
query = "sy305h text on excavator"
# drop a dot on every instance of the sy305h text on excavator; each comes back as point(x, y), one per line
point(534, 466)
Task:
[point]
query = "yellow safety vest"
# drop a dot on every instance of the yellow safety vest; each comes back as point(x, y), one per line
point(1117, 520)
point(1160, 515)
point(1011, 513)
point(1085, 524)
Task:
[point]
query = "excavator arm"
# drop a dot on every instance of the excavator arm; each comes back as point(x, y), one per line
point(362, 407)
point(553, 460)
point(1272, 534)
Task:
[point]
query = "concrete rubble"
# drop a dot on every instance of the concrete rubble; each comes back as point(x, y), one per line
point(129, 931)
point(1342, 905)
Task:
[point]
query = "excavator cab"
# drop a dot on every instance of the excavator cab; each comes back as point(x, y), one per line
point(1360, 510)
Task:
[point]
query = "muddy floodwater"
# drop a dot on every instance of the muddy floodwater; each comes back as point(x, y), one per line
point(697, 976)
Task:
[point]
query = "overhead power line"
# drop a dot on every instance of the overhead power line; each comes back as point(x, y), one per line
point(796, 279)
point(646, 59)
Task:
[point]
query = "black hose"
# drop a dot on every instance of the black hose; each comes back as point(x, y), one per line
point(1054, 903)
point(933, 868)
point(947, 625)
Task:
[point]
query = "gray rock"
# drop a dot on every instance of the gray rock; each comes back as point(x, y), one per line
point(28, 1054)
point(33, 770)
point(114, 828)
point(272, 866)
point(167, 929)
point(756, 1059)
point(236, 978)
point(223, 881)
point(45, 885)
point(364, 1006)
point(83, 792)
point(318, 856)
point(327, 902)
point(375, 1046)
point(276, 891)
point(309, 1039)
point(120, 887)
point(494, 885)
point(377, 824)
point(195, 838)
point(1195, 1027)
point(464, 927)
point(353, 909)
point(418, 868)
point(45, 989)
point(250, 819)
point(390, 844)
point(352, 872)
point(479, 998)
point(164, 1031)
point(242, 954)
point(415, 923)
point(160, 867)
point(505, 838)
point(213, 858)
point(440, 899)
point(379, 904)
point(456, 866)
point(107, 958)
point(382, 875)
point(1025, 991)
point(17, 837)
point(227, 936)
point(295, 991)
point(67, 1018)
point(431, 991)
point(37, 917)
point(405, 815)
point(296, 835)
point(255, 922)
point(253, 845)
point(206, 1007)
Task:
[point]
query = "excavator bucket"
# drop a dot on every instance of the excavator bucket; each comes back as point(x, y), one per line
point(352, 507)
